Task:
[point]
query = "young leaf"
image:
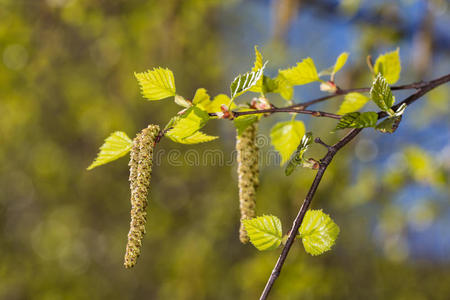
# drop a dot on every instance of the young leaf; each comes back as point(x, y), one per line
point(187, 124)
point(116, 145)
point(304, 72)
point(265, 232)
point(258, 60)
point(340, 62)
point(243, 83)
point(297, 157)
point(195, 138)
point(283, 87)
point(389, 66)
point(156, 84)
point(286, 136)
point(390, 124)
point(352, 102)
point(318, 232)
point(242, 122)
point(381, 93)
point(215, 105)
point(201, 97)
point(358, 120)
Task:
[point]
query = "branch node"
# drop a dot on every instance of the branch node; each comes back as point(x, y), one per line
point(319, 141)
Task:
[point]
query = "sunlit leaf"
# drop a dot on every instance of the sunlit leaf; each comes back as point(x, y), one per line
point(286, 136)
point(389, 66)
point(116, 145)
point(358, 120)
point(297, 158)
point(381, 93)
point(242, 122)
point(352, 102)
point(304, 72)
point(265, 232)
point(340, 62)
point(215, 105)
point(195, 138)
point(390, 124)
point(187, 124)
point(201, 97)
point(245, 82)
point(181, 101)
point(258, 60)
point(156, 84)
point(318, 232)
point(283, 87)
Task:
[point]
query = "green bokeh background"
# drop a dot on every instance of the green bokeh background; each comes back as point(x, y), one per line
point(66, 82)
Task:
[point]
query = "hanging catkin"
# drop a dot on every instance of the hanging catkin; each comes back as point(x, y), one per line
point(248, 171)
point(141, 157)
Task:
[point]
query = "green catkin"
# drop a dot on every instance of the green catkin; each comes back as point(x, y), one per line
point(248, 171)
point(141, 157)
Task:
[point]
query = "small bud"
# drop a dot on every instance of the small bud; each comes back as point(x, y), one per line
point(180, 100)
point(329, 87)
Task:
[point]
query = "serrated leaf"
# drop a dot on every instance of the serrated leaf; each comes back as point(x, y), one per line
point(187, 124)
point(381, 93)
point(283, 87)
point(258, 60)
point(196, 138)
point(286, 136)
point(358, 120)
point(389, 66)
point(265, 232)
point(318, 232)
point(156, 84)
point(201, 97)
point(215, 105)
point(297, 158)
point(304, 72)
point(340, 62)
point(390, 124)
point(242, 122)
point(352, 102)
point(116, 145)
point(245, 82)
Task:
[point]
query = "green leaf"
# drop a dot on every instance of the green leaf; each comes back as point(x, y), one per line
point(358, 120)
point(381, 93)
point(197, 137)
point(352, 102)
point(286, 136)
point(258, 60)
point(242, 122)
point(283, 87)
point(243, 83)
point(156, 84)
point(390, 124)
point(297, 158)
point(201, 97)
point(265, 232)
point(187, 124)
point(340, 62)
point(318, 232)
point(215, 105)
point(389, 66)
point(116, 145)
point(304, 72)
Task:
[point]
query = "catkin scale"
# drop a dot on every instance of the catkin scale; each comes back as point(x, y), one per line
point(141, 157)
point(248, 171)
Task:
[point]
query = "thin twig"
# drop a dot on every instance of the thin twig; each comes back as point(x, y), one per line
point(324, 163)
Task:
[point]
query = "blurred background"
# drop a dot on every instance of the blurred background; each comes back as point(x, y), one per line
point(66, 83)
